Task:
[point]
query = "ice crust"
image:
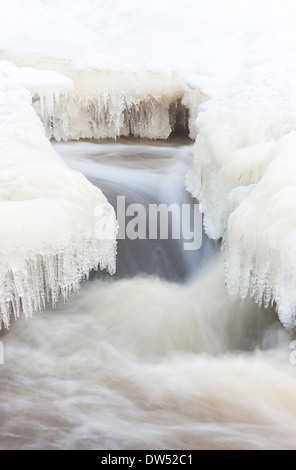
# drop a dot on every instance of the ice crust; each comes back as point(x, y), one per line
point(110, 104)
point(244, 175)
point(55, 226)
point(127, 66)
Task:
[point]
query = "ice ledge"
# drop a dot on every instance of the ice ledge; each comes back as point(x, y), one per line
point(244, 175)
point(107, 103)
point(94, 102)
point(56, 226)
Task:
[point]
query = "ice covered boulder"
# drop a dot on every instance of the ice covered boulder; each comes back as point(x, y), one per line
point(244, 174)
point(55, 226)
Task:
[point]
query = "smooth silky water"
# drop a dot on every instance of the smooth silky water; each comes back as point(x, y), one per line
point(157, 357)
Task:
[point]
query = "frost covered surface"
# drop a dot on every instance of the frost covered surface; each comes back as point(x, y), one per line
point(109, 104)
point(262, 236)
point(55, 226)
point(244, 173)
point(129, 61)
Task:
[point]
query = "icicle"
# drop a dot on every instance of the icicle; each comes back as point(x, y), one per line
point(243, 172)
point(109, 105)
point(56, 226)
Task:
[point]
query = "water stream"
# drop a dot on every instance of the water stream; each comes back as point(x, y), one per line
point(157, 357)
point(144, 173)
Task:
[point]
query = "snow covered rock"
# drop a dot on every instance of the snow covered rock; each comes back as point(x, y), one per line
point(244, 174)
point(55, 226)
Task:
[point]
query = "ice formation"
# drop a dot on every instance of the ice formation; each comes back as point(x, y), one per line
point(55, 226)
point(244, 174)
point(109, 104)
point(92, 103)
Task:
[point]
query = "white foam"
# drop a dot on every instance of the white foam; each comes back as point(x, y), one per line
point(145, 364)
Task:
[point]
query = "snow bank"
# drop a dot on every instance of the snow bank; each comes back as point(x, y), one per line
point(55, 226)
point(262, 236)
point(94, 103)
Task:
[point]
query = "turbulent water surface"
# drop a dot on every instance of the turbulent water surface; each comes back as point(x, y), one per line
point(157, 357)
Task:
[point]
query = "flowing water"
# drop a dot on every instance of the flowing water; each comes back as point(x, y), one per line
point(144, 173)
point(157, 357)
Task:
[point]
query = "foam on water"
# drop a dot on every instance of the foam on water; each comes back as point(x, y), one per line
point(144, 364)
